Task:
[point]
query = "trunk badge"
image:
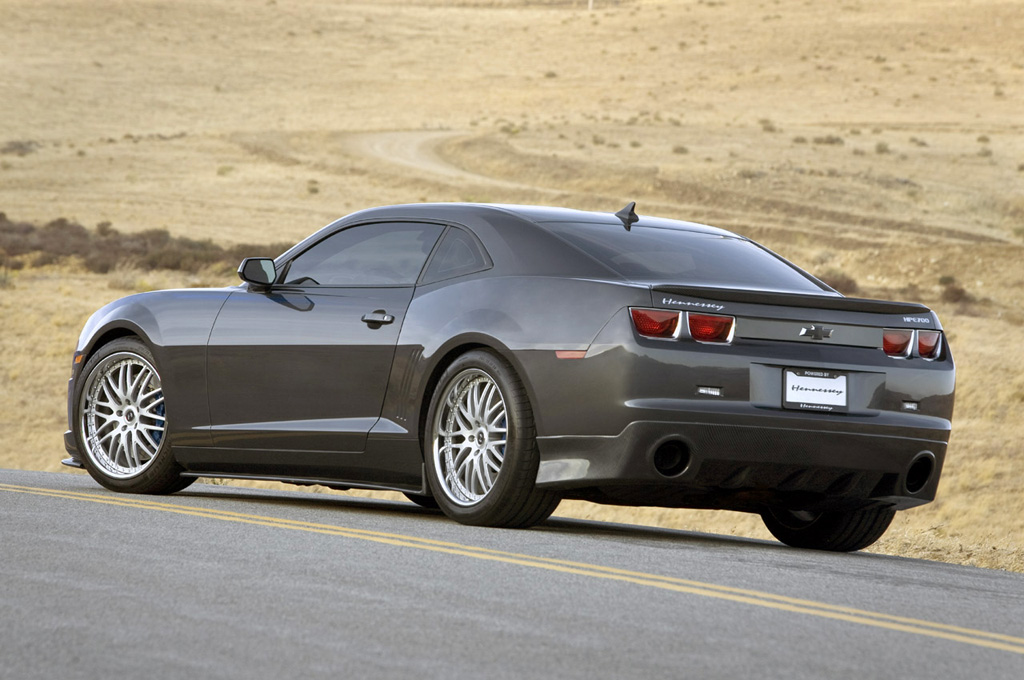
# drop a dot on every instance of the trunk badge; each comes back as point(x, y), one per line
point(816, 332)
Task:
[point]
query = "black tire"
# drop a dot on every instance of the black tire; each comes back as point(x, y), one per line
point(485, 474)
point(120, 421)
point(835, 531)
point(427, 502)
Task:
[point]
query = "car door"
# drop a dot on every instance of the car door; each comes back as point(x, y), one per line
point(300, 370)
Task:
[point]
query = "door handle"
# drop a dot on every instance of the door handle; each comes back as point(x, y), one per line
point(377, 318)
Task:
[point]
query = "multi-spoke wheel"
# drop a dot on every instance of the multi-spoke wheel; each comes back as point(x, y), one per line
point(481, 446)
point(121, 421)
point(472, 432)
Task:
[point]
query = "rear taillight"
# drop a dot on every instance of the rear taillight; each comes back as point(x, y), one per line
point(655, 323)
point(896, 341)
point(710, 327)
point(928, 343)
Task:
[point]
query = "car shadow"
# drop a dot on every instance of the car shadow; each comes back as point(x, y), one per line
point(595, 529)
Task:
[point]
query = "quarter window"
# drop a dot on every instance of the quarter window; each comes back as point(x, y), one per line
point(385, 254)
point(458, 254)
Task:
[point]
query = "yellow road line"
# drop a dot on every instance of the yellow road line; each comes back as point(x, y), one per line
point(970, 636)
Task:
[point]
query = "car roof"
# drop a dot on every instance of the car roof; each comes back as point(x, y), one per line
point(543, 214)
point(520, 239)
point(533, 213)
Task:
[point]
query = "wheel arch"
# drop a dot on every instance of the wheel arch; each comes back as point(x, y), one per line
point(124, 329)
point(446, 356)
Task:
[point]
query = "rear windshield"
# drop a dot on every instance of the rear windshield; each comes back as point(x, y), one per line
point(656, 255)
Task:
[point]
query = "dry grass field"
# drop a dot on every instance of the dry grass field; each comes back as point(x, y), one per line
point(878, 144)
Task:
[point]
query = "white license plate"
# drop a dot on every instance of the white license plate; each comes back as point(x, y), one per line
point(815, 390)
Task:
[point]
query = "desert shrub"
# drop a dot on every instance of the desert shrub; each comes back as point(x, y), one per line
point(15, 237)
point(105, 249)
point(954, 293)
point(831, 140)
point(44, 258)
point(19, 147)
point(181, 257)
point(62, 237)
point(841, 281)
point(947, 280)
point(102, 261)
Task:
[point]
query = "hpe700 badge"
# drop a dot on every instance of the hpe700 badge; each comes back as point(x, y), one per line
point(815, 390)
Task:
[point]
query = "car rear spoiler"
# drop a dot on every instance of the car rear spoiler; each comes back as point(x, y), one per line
point(767, 297)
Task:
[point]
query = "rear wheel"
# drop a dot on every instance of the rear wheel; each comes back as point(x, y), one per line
point(120, 421)
point(836, 531)
point(481, 446)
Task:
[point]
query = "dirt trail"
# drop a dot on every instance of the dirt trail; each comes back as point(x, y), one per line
point(418, 150)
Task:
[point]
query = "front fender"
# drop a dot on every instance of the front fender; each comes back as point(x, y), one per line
point(175, 325)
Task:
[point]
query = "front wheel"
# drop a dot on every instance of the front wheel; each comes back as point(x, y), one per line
point(120, 421)
point(835, 531)
point(481, 446)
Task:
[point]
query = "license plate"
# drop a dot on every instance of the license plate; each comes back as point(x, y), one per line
point(815, 390)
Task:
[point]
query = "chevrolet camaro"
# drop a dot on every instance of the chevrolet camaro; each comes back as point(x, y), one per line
point(491, 360)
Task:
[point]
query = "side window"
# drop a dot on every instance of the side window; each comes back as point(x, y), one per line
point(458, 254)
point(385, 254)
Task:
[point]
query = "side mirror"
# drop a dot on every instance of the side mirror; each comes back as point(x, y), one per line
point(259, 271)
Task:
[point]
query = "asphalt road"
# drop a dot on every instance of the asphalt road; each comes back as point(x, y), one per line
point(220, 582)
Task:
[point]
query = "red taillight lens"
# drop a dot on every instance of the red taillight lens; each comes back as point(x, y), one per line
point(896, 341)
point(710, 327)
point(928, 343)
point(655, 323)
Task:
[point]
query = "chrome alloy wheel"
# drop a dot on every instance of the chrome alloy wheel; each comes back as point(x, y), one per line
point(472, 431)
point(122, 415)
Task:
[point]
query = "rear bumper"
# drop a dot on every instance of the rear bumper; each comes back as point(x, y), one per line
point(743, 466)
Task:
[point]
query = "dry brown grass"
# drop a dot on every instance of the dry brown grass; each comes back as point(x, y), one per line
point(219, 119)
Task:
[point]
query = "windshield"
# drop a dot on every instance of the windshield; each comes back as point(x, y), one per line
point(658, 255)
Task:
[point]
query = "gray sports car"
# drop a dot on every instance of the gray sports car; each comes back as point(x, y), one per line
point(491, 360)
